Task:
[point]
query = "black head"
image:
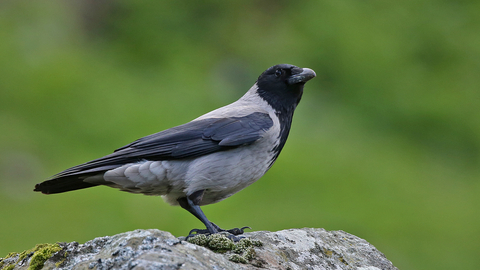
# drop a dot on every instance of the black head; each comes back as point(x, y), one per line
point(282, 85)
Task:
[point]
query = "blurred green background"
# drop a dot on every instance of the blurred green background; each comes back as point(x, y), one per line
point(384, 145)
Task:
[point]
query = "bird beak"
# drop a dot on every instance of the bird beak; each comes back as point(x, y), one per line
point(302, 77)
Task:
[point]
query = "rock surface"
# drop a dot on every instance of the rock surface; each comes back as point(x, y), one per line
point(153, 249)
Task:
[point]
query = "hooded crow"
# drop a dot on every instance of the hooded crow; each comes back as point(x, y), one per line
point(206, 160)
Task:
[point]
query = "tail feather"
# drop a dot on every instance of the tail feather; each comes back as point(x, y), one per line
point(62, 184)
point(79, 177)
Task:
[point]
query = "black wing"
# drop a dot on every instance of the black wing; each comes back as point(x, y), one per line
point(193, 139)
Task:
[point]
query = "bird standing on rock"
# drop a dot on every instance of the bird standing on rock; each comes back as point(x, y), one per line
point(206, 160)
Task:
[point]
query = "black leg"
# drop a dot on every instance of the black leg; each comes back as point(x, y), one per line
point(191, 204)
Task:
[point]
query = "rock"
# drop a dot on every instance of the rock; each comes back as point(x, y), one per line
point(153, 249)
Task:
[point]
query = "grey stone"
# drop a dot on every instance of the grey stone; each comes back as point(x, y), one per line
point(306, 248)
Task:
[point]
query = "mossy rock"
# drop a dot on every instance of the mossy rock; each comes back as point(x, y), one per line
point(37, 257)
point(241, 252)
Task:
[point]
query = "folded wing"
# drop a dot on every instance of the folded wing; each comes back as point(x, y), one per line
point(193, 139)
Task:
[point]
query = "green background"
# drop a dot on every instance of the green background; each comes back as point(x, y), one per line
point(384, 145)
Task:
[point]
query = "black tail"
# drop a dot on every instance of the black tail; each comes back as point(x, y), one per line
point(63, 184)
point(92, 171)
point(74, 178)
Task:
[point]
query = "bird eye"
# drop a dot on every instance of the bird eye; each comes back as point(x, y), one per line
point(278, 73)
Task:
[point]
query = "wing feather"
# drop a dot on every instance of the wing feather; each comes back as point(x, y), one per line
point(193, 139)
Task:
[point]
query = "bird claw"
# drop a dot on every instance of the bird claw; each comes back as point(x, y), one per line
point(238, 231)
point(235, 238)
point(190, 235)
point(232, 232)
point(198, 231)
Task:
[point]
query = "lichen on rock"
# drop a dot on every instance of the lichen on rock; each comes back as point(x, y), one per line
point(35, 257)
point(306, 248)
point(241, 252)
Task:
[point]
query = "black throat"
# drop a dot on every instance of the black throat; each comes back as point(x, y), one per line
point(284, 104)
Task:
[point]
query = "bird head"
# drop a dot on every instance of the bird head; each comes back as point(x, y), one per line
point(282, 85)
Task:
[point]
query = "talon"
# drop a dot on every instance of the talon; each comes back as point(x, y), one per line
point(195, 232)
point(233, 232)
point(246, 227)
point(198, 231)
point(237, 231)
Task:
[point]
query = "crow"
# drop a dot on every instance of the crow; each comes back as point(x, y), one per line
point(206, 160)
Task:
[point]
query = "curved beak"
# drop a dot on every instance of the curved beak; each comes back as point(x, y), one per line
point(304, 76)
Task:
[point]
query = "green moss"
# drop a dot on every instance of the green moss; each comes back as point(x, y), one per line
point(215, 242)
point(42, 253)
point(9, 267)
point(247, 243)
point(9, 255)
point(220, 243)
point(241, 252)
point(237, 258)
point(39, 254)
point(200, 240)
point(23, 255)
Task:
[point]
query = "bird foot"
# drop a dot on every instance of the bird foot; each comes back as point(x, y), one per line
point(237, 231)
point(232, 233)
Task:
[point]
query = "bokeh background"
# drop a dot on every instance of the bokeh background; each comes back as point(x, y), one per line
point(385, 143)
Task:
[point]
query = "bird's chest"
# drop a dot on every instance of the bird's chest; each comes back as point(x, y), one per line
point(222, 174)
